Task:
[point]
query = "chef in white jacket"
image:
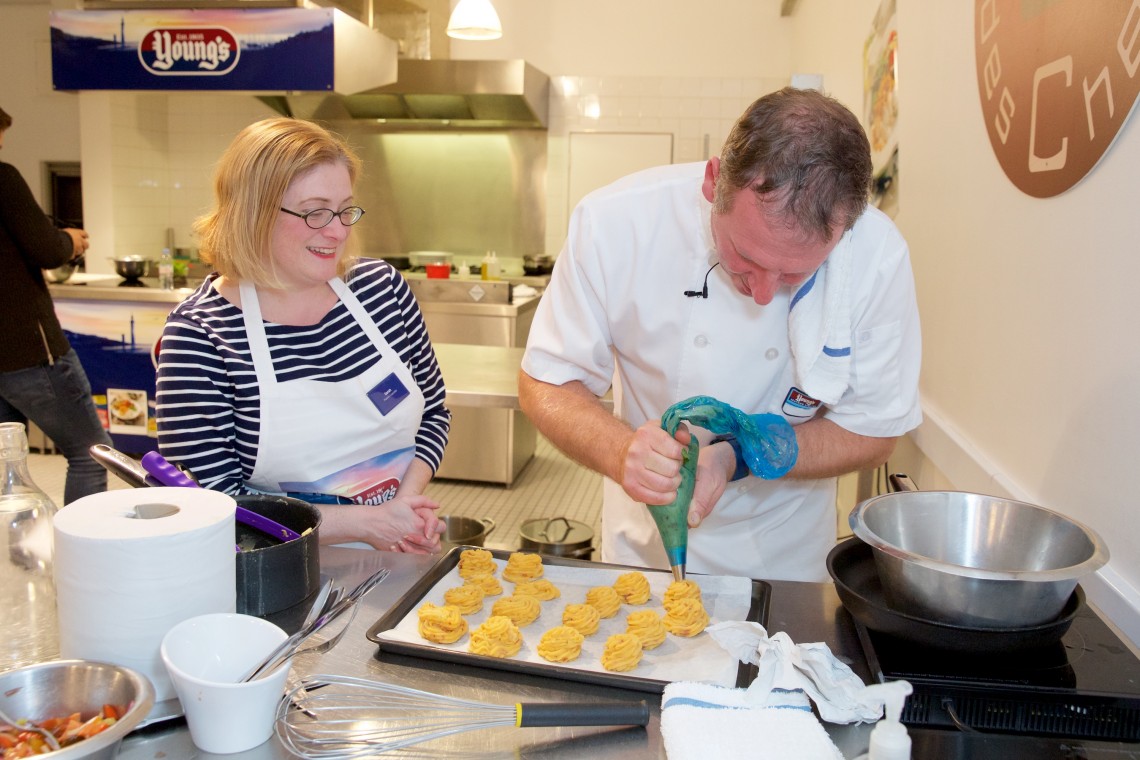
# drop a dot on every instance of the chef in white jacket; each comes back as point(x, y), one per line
point(760, 278)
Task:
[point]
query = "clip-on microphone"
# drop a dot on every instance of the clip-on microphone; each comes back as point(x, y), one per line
point(704, 291)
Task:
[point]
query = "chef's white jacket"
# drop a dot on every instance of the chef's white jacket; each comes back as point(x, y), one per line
point(615, 313)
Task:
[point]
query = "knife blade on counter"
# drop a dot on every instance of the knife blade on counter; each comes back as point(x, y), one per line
point(157, 468)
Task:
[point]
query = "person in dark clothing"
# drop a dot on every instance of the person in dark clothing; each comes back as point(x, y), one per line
point(41, 378)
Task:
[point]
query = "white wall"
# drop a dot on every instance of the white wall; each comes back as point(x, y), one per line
point(1031, 370)
point(148, 163)
point(656, 38)
point(45, 123)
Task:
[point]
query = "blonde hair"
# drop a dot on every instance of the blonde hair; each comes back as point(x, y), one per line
point(249, 184)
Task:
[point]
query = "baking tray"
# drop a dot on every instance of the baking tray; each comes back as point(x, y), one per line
point(761, 593)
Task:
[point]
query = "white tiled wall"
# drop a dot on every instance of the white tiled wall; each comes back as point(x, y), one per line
point(163, 149)
point(697, 111)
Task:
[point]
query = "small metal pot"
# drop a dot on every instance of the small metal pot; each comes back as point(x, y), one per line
point(976, 560)
point(464, 531)
point(557, 537)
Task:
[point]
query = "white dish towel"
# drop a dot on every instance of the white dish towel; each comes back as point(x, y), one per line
point(700, 721)
point(819, 327)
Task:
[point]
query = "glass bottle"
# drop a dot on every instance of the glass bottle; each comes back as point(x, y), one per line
point(166, 270)
point(28, 624)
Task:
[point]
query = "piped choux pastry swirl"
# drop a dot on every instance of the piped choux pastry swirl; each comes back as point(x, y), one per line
point(497, 637)
point(474, 562)
point(542, 590)
point(468, 598)
point(522, 610)
point(489, 583)
point(523, 566)
point(622, 652)
point(685, 617)
point(583, 618)
point(685, 589)
point(560, 644)
point(443, 625)
point(647, 626)
point(633, 588)
point(605, 600)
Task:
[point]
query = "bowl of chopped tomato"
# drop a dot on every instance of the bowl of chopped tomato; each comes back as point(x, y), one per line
point(87, 706)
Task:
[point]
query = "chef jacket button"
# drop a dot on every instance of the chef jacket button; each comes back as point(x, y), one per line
point(700, 341)
point(771, 354)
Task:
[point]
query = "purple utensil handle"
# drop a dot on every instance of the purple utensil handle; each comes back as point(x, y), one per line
point(169, 475)
point(164, 472)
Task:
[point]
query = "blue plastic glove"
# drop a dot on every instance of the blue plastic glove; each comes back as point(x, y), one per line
point(767, 441)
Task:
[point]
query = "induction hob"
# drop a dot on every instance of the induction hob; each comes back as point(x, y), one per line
point(1086, 686)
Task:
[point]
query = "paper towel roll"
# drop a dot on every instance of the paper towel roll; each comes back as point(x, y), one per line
point(123, 581)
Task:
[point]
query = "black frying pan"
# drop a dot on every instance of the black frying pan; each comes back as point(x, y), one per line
point(852, 567)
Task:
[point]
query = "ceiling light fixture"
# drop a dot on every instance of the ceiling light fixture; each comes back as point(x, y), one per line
point(474, 20)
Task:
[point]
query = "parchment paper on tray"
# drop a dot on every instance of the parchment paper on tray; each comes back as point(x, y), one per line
point(677, 659)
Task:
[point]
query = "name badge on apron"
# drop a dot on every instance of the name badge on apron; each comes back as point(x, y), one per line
point(387, 394)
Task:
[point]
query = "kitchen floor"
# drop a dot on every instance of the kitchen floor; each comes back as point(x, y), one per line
point(550, 485)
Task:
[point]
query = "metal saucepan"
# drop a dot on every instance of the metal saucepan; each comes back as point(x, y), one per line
point(975, 560)
point(464, 531)
point(558, 537)
point(852, 567)
point(272, 575)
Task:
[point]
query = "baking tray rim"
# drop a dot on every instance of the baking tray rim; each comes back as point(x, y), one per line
point(745, 674)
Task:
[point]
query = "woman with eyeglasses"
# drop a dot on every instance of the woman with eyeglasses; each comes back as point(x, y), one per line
point(296, 368)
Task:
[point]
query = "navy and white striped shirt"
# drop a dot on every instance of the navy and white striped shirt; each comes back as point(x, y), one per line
point(208, 404)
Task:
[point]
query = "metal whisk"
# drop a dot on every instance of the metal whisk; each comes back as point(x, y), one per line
point(329, 716)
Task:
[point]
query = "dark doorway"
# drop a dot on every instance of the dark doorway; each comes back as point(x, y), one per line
point(65, 193)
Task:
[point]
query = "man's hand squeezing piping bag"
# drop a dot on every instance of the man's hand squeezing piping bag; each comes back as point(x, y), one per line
point(764, 443)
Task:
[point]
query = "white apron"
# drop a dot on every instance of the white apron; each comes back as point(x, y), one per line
point(353, 438)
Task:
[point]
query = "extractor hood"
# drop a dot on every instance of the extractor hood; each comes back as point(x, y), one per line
point(438, 94)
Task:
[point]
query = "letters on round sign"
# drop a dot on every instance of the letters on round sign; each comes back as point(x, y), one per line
point(1057, 81)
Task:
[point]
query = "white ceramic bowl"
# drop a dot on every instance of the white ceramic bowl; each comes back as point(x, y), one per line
point(205, 656)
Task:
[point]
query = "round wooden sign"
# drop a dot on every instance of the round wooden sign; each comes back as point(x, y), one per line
point(1057, 80)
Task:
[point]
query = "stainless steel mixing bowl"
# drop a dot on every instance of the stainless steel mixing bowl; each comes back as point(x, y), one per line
point(60, 274)
point(975, 560)
point(62, 687)
point(130, 267)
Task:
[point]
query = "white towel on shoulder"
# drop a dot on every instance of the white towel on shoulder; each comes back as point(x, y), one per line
point(700, 721)
point(819, 327)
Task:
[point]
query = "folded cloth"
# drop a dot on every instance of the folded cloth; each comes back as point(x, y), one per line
point(819, 327)
point(700, 720)
point(782, 665)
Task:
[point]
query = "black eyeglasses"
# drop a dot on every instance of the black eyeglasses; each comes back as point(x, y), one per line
point(318, 218)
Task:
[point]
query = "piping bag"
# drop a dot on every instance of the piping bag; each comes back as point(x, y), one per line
point(766, 444)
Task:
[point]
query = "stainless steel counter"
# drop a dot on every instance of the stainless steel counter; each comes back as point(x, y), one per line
point(808, 612)
point(491, 439)
point(480, 376)
point(114, 290)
